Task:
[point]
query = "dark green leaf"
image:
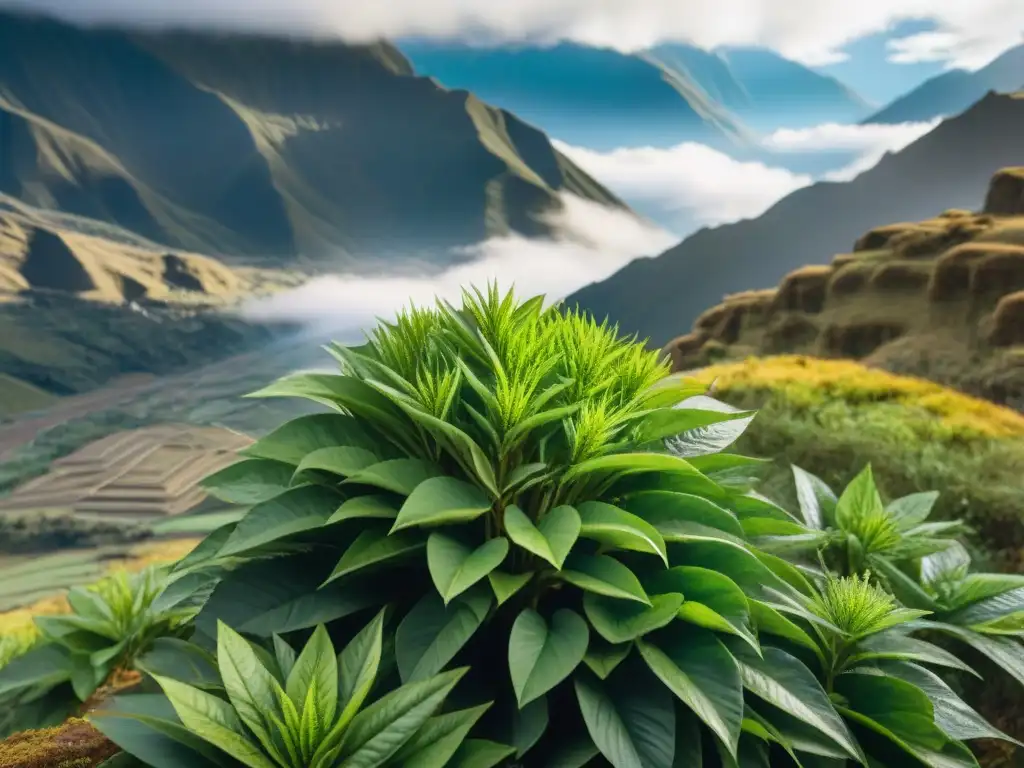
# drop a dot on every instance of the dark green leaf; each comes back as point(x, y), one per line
point(344, 460)
point(603, 575)
point(661, 507)
point(712, 600)
point(401, 476)
point(480, 753)
point(552, 539)
point(373, 507)
point(630, 463)
point(541, 656)
point(292, 441)
point(375, 546)
point(618, 528)
point(438, 740)
point(528, 725)
point(431, 634)
point(316, 668)
point(172, 657)
point(507, 584)
point(299, 509)
point(455, 567)
point(619, 621)
point(816, 499)
point(603, 657)
point(250, 481)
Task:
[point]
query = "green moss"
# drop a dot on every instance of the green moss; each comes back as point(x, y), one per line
point(75, 744)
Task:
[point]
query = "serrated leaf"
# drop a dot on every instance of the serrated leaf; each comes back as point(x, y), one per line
point(442, 501)
point(455, 567)
point(619, 621)
point(540, 655)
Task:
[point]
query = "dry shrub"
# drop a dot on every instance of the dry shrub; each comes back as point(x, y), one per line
point(1008, 321)
point(951, 279)
point(933, 240)
point(879, 237)
point(901, 276)
point(1006, 192)
point(1000, 272)
point(804, 290)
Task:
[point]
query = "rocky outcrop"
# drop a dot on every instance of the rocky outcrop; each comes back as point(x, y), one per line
point(50, 264)
point(1006, 194)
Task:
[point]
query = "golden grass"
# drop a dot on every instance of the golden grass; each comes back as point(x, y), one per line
point(19, 621)
point(809, 381)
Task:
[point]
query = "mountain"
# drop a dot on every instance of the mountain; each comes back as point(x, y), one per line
point(265, 148)
point(952, 92)
point(949, 167)
point(941, 299)
point(602, 99)
point(592, 97)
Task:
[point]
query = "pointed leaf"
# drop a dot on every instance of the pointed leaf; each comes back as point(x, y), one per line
point(552, 539)
point(616, 527)
point(528, 725)
point(295, 439)
point(344, 460)
point(816, 499)
point(442, 501)
point(316, 666)
point(603, 657)
point(455, 567)
point(619, 621)
point(401, 476)
point(540, 656)
point(251, 688)
point(507, 584)
point(357, 667)
point(630, 463)
point(372, 506)
point(660, 508)
point(375, 546)
point(480, 753)
point(299, 509)
point(431, 634)
point(913, 510)
point(439, 739)
point(250, 481)
point(603, 575)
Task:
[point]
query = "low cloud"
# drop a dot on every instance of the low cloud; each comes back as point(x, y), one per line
point(690, 184)
point(593, 242)
point(966, 34)
point(836, 137)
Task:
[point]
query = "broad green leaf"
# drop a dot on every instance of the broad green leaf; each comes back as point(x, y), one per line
point(215, 721)
point(672, 389)
point(1002, 651)
point(904, 588)
point(251, 688)
point(709, 439)
point(618, 528)
point(673, 422)
point(632, 723)
point(817, 501)
point(662, 507)
point(552, 539)
point(357, 666)
point(507, 584)
point(619, 621)
point(574, 754)
point(147, 727)
point(528, 725)
point(770, 621)
point(913, 510)
point(285, 656)
point(524, 476)
point(902, 712)
point(381, 729)
point(344, 460)
point(858, 499)
point(540, 655)
point(898, 646)
point(603, 657)
point(978, 586)
point(442, 501)
point(85, 677)
point(785, 682)
point(733, 560)
point(372, 507)
point(316, 666)
point(299, 509)
point(983, 614)
point(603, 575)
point(630, 463)
point(701, 672)
point(295, 439)
point(187, 662)
point(712, 600)
point(249, 481)
point(431, 633)
point(375, 546)
point(455, 567)
point(401, 476)
point(44, 665)
point(729, 470)
point(438, 740)
point(480, 753)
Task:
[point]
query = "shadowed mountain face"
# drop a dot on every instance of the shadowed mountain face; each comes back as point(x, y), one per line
point(948, 168)
point(954, 91)
point(263, 148)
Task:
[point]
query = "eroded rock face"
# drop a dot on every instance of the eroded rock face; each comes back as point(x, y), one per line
point(51, 264)
point(1006, 193)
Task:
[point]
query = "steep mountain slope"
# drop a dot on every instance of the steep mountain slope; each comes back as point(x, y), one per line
point(949, 167)
point(954, 91)
point(593, 97)
point(602, 99)
point(265, 148)
point(941, 298)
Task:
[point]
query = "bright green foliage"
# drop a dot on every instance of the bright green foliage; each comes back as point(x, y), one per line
point(530, 500)
point(304, 711)
point(110, 624)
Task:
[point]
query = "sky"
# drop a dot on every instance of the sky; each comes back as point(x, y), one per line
point(967, 33)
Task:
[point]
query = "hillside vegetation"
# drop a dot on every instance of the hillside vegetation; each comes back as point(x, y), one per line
point(265, 148)
point(832, 417)
point(951, 167)
point(942, 299)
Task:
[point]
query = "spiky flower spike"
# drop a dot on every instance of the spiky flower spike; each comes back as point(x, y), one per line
point(858, 608)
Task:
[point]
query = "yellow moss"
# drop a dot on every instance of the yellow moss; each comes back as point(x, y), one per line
point(809, 381)
point(74, 744)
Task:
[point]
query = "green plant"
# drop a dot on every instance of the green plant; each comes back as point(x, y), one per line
point(110, 624)
point(304, 711)
point(536, 501)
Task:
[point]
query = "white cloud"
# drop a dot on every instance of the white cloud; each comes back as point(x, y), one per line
point(971, 32)
point(691, 183)
point(836, 137)
point(594, 242)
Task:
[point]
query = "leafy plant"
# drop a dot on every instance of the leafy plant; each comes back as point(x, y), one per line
point(304, 711)
point(110, 624)
point(537, 504)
